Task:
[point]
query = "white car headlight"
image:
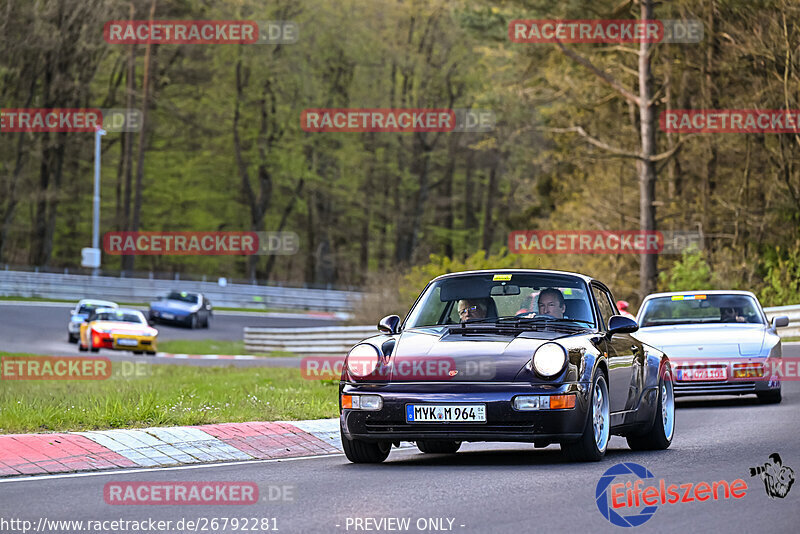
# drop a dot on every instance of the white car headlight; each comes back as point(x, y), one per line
point(549, 359)
point(362, 360)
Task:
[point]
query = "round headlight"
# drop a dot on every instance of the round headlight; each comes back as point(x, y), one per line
point(362, 360)
point(549, 359)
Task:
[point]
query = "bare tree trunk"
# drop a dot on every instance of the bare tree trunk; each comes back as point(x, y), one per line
point(488, 228)
point(127, 149)
point(648, 269)
point(140, 150)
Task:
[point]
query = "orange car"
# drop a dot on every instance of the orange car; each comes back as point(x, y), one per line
point(117, 329)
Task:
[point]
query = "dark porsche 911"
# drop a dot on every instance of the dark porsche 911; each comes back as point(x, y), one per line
point(512, 355)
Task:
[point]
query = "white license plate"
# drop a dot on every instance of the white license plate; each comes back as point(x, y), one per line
point(168, 315)
point(702, 375)
point(127, 342)
point(445, 413)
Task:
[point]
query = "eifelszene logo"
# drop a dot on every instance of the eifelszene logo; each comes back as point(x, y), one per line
point(615, 498)
point(778, 478)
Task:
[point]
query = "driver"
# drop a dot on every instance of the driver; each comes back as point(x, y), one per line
point(551, 302)
point(731, 315)
point(470, 309)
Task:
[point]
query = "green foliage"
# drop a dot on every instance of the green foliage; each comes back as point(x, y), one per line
point(782, 280)
point(690, 273)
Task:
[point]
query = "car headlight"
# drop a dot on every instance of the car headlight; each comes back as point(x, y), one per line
point(362, 360)
point(549, 359)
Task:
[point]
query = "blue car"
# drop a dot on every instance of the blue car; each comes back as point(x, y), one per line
point(179, 307)
point(721, 342)
point(473, 362)
point(81, 312)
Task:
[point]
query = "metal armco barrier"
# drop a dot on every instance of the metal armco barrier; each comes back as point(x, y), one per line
point(75, 287)
point(337, 340)
point(792, 312)
point(320, 341)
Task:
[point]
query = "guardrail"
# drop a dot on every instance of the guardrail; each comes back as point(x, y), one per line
point(75, 287)
point(337, 340)
point(330, 340)
point(792, 312)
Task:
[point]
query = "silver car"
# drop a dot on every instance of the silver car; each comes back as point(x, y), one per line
point(82, 311)
point(720, 342)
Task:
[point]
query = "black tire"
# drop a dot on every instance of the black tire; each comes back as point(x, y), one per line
point(207, 322)
point(438, 446)
point(151, 353)
point(137, 352)
point(656, 436)
point(769, 397)
point(81, 348)
point(365, 452)
point(71, 338)
point(586, 448)
point(193, 321)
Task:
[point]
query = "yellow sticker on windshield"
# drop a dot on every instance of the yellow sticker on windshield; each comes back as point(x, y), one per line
point(568, 291)
point(501, 278)
point(677, 297)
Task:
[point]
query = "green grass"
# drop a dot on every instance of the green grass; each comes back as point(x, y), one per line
point(211, 346)
point(166, 395)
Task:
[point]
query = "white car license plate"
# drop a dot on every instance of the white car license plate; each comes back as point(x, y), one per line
point(124, 342)
point(168, 315)
point(445, 413)
point(688, 374)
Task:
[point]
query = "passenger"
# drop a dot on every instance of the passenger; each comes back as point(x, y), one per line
point(731, 315)
point(551, 302)
point(471, 309)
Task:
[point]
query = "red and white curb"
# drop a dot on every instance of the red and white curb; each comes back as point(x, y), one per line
point(30, 454)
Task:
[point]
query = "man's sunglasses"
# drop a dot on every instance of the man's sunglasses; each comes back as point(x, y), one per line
point(470, 309)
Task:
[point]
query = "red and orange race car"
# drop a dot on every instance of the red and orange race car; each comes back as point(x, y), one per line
point(117, 329)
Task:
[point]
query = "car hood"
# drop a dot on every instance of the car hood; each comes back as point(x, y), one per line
point(173, 306)
point(117, 327)
point(477, 357)
point(705, 341)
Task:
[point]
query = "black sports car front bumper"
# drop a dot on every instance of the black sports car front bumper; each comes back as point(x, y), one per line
point(503, 421)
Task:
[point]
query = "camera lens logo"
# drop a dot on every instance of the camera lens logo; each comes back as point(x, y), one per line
point(603, 499)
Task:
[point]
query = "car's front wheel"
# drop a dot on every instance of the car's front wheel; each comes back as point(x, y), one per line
point(193, 321)
point(591, 446)
point(438, 446)
point(659, 435)
point(365, 452)
point(71, 338)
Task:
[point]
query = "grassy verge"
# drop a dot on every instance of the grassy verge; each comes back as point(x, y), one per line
point(792, 338)
point(211, 346)
point(164, 395)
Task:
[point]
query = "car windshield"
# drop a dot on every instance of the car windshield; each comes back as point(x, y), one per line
point(700, 309)
point(497, 297)
point(87, 309)
point(120, 316)
point(183, 297)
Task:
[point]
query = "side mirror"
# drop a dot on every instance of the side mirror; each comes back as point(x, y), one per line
point(389, 324)
point(72, 312)
point(619, 324)
point(780, 322)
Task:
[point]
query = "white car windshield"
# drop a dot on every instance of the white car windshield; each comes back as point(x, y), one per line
point(700, 309)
